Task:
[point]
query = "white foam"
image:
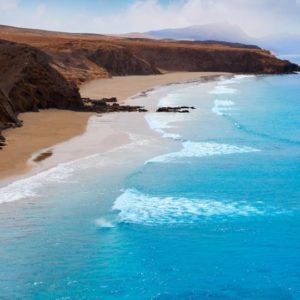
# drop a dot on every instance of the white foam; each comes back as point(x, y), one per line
point(235, 79)
point(202, 149)
point(223, 107)
point(160, 122)
point(104, 223)
point(136, 207)
point(222, 89)
point(31, 186)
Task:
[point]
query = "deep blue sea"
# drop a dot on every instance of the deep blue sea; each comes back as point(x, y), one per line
point(217, 216)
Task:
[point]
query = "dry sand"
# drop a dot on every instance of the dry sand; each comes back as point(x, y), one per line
point(42, 131)
point(125, 87)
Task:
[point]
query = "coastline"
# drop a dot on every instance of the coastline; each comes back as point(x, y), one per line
point(124, 87)
point(63, 133)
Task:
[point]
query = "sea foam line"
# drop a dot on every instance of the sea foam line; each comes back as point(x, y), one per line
point(201, 149)
point(223, 107)
point(159, 122)
point(223, 89)
point(136, 207)
point(33, 185)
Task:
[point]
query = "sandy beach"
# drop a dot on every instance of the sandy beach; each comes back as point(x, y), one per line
point(125, 87)
point(54, 136)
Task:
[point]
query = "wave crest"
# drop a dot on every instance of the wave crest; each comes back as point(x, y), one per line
point(202, 149)
point(136, 207)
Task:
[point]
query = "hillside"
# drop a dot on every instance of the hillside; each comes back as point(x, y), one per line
point(29, 83)
point(41, 69)
point(223, 32)
point(82, 57)
point(207, 32)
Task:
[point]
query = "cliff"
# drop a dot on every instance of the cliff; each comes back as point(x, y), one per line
point(212, 57)
point(29, 83)
point(40, 69)
point(82, 57)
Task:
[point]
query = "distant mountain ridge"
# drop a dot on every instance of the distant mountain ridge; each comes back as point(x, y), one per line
point(216, 31)
point(224, 32)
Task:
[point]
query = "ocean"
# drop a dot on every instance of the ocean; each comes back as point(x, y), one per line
point(215, 215)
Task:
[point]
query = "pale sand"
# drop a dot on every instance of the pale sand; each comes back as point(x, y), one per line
point(48, 129)
point(40, 130)
point(125, 87)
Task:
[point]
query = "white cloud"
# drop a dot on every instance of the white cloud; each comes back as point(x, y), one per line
point(256, 17)
point(7, 5)
point(142, 16)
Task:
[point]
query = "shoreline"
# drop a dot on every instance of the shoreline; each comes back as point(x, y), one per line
point(62, 133)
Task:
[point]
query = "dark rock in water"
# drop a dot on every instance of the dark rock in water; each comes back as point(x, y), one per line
point(179, 109)
point(101, 101)
point(112, 99)
point(103, 106)
point(142, 110)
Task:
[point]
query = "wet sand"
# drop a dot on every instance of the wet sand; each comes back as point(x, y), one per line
point(55, 136)
point(128, 86)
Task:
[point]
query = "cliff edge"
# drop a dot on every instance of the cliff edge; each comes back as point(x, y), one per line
point(28, 83)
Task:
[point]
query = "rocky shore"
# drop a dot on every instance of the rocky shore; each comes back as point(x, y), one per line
point(107, 105)
point(45, 72)
point(178, 109)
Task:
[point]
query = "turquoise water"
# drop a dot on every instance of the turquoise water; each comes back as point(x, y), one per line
point(216, 217)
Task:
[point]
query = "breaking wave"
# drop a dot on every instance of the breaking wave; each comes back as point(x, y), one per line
point(162, 121)
point(31, 186)
point(135, 207)
point(201, 149)
point(223, 107)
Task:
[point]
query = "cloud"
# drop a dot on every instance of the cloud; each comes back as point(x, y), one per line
point(7, 5)
point(256, 17)
point(142, 16)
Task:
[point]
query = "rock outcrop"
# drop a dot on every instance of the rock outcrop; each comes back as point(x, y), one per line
point(41, 69)
point(179, 109)
point(119, 61)
point(213, 58)
point(29, 83)
point(83, 57)
point(104, 106)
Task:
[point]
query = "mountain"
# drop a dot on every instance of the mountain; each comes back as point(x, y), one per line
point(82, 57)
point(208, 32)
point(224, 32)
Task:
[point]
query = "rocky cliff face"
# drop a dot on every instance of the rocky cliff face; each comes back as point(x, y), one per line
point(44, 70)
point(119, 60)
point(83, 57)
point(218, 59)
point(29, 83)
point(87, 60)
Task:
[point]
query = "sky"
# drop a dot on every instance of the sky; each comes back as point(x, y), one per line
point(256, 17)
